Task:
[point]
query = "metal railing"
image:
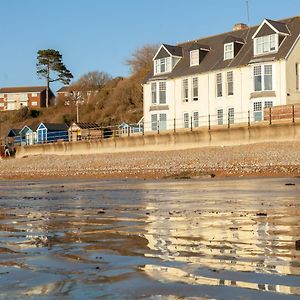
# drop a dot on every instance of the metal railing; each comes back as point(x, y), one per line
point(268, 116)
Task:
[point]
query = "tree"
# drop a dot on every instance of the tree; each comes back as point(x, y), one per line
point(93, 81)
point(50, 64)
point(142, 58)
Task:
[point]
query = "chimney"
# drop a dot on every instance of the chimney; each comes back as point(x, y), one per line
point(239, 26)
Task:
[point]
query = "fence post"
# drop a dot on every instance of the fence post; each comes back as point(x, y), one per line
point(157, 126)
point(248, 118)
point(270, 115)
point(174, 125)
point(191, 123)
point(293, 107)
point(228, 121)
point(128, 128)
point(209, 122)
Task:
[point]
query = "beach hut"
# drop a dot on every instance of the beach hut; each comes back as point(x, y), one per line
point(13, 137)
point(51, 132)
point(84, 131)
point(28, 135)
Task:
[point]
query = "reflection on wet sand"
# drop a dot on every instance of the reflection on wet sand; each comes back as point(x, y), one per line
point(221, 239)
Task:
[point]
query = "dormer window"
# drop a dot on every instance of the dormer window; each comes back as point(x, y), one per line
point(162, 65)
point(228, 51)
point(166, 58)
point(194, 57)
point(269, 36)
point(266, 44)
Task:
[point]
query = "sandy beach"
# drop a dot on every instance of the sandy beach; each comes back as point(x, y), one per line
point(264, 159)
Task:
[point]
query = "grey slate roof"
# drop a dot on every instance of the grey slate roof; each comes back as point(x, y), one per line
point(174, 50)
point(280, 26)
point(214, 59)
point(56, 126)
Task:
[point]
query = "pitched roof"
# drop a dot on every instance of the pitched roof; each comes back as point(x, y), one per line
point(174, 50)
point(87, 125)
point(280, 26)
point(32, 127)
point(214, 59)
point(56, 126)
point(13, 132)
point(23, 89)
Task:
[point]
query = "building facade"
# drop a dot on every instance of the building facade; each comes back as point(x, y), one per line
point(13, 98)
point(227, 78)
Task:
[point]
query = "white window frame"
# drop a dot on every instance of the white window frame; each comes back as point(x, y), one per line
point(229, 80)
point(153, 93)
point(196, 119)
point(228, 51)
point(162, 89)
point(164, 61)
point(220, 116)
point(268, 103)
point(185, 89)
point(266, 44)
point(157, 88)
point(195, 88)
point(34, 94)
point(186, 120)
point(219, 84)
point(194, 57)
point(230, 115)
point(257, 111)
point(154, 119)
point(261, 71)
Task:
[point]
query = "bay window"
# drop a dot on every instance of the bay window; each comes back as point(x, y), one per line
point(158, 93)
point(263, 78)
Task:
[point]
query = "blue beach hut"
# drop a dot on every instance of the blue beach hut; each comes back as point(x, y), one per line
point(52, 132)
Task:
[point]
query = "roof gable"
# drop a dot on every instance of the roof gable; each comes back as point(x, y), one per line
point(268, 27)
point(167, 50)
point(13, 132)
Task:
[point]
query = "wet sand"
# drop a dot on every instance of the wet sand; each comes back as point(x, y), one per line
point(173, 239)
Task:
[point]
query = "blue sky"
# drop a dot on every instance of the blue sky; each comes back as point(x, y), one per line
point(99, 35)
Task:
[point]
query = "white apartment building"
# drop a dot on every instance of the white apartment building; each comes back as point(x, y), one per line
point(230, 77)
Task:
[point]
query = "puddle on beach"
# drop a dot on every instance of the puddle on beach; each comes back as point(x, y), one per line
point(166, 240)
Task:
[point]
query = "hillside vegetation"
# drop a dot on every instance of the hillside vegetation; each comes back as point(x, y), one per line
point(104, 100)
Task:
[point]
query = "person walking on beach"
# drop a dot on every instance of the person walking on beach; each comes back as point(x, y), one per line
point(6, 151)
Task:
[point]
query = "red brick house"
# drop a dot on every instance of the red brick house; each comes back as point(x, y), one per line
point(13, 98)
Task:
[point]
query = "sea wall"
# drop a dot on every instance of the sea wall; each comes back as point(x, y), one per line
point(219, 136)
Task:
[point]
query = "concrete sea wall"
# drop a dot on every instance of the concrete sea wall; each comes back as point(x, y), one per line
point(219, 136)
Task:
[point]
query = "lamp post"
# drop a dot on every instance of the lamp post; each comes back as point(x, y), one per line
point(75, 96)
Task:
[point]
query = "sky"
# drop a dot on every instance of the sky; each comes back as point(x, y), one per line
point(99, 35)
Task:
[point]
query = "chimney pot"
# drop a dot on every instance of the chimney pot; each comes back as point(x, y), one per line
point(239, 26)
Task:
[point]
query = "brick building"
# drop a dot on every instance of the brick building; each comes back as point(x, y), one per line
point(13, 98)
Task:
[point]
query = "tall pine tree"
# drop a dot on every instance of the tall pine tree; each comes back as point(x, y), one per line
point(51, 67)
